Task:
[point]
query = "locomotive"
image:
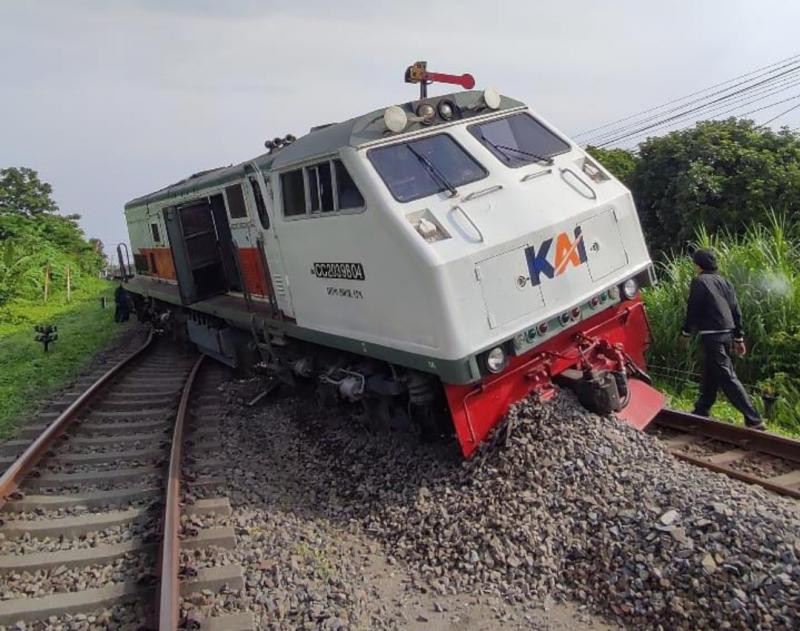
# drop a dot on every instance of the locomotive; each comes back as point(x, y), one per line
point(434, 262)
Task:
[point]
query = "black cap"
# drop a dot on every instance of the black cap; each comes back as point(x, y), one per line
point(705, 259)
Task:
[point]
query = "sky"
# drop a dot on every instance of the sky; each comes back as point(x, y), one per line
point(110, 99)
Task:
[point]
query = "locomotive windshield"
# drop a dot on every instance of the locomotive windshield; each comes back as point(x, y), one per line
point(519, 140)
point(419, 168)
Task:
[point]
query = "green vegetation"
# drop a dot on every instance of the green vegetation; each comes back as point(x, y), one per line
point(27, 374)
point(717, 175)
point(763, 264)
point(620, 162)
point(40, 248)
point(734, 187)
point(49, 274)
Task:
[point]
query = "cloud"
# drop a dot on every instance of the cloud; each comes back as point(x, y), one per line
point(109, 100)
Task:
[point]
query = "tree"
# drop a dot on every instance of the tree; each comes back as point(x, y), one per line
point(620, 162)
point(22, 192)
point(33, 235)
point(718, 174)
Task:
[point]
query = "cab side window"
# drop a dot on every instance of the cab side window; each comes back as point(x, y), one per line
point(293, 193)
point(236, 207)
point(329, 190)
point(348, 194)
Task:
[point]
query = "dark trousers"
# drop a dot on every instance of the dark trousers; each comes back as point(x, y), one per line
point(719, 374)
point(122, 312)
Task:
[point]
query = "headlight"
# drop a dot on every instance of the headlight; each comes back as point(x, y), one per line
point(629, 288)
point(446, 109)
point(492, 98)
point(426, 112)
point(496, 360)
point(395, 119)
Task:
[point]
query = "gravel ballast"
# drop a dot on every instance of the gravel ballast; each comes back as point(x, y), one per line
point(563, 506)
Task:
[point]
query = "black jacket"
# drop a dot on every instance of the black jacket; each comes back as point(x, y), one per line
point(712, 306)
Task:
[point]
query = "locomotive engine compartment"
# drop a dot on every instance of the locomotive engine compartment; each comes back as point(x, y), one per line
point(433, 262)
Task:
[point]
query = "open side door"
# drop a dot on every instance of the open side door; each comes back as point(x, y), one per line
point(200, 265)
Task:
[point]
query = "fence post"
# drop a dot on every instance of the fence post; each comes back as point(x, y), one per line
point(46, 281)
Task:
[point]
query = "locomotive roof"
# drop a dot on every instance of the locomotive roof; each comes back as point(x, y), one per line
point(324, 141)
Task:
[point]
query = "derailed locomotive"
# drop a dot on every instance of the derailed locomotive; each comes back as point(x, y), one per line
point(435, 261)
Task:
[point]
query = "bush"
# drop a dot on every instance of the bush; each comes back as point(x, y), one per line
point(718, 175)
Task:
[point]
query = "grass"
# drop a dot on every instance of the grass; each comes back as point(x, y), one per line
point(27, 374)
point(682, 397)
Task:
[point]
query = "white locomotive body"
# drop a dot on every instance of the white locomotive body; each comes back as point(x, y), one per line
point(476, 226)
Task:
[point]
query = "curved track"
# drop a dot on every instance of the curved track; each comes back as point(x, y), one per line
point(91, 522)
point(757, 457)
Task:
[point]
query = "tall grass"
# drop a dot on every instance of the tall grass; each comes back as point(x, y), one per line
point(764, 266)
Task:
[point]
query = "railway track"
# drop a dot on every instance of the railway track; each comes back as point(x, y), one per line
point(757, 457)
point(91, 529)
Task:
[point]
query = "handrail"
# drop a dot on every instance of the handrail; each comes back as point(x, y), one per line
point(471, 222)
point(125, 266)
point(535, 174)
point(482, 192)
point(169, 593)
point(22, 466)
point(592, 194)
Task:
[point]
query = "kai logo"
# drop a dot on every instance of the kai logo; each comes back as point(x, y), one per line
point(567, 252)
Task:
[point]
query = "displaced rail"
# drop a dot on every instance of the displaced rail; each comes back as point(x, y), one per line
point(91, 519)
point(756, 457)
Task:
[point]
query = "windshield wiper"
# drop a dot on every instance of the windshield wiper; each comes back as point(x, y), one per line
point(500, 149)
point(437, 175)
point(524, 153)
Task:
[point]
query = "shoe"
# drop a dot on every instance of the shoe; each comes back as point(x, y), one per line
point(761, 427)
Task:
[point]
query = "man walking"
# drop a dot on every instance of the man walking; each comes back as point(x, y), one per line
point(122, 312)
point(713, 313)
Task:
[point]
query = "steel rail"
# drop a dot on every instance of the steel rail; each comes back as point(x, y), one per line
point(745, 439)
point(13, 476)
point(169, 562)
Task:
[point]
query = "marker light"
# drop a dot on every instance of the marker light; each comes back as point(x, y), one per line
point(613, 293)
point(530, 334)
point(426, 112)
point(395, 118)
point(446, 109)
point(576, 313)
point(543, 327)
point(629, 288)
point(564, 318)
point(496, 360)
point(594, 302)
point(492, 98)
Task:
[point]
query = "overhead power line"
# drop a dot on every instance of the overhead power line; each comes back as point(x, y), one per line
point(656, 121)
point(774, 118)
point(728, 106)
point(759, 109)
point(767, 89)
point(771, 68)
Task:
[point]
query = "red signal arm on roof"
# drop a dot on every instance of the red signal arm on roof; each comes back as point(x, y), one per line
point(418, 73)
